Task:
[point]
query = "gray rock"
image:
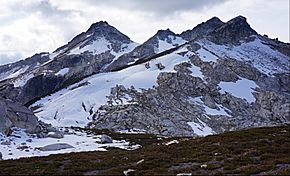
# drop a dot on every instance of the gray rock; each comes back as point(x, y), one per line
point(54, 147)
point(167, 108)
point(28, 140)
point(57, 135)
point(202, 29)
point(106, 139)
point(16, 115)
point(6, 142)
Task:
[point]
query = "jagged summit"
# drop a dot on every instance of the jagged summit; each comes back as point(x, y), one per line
point(202, 29)
point(233, 31)
point(98, 31)
point(103, 29)
point(163, 34)
point(98, 24)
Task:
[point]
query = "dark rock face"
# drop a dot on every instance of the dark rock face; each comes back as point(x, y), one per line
point(233, 31)
point(202, 29)
point(39, 86)
point(141, 52)
point(30, 63)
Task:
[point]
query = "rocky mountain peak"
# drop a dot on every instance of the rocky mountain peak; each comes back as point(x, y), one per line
point(98, 30)
point(103, 29)
point(98, 24)
point(163, 34)
point(233, 31)
point(202, 29)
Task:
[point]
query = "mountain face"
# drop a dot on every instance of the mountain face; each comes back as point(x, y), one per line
point(160, 42)
point(202, 29)
point(13, 70)
point(214, 78)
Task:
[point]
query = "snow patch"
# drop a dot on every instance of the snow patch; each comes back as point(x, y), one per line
point(20, 82)
point(172, 142)
point(201, 128)
point(23, 145)
point(98, 46)
point(62, 72)
point(264, 58)
point(243, 88)
point(57, 110)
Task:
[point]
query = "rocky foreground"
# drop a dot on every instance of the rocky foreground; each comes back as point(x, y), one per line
point(258, 151)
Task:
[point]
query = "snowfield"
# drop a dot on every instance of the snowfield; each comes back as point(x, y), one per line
point(20, 145)
point(264, 58)
point(65, 108)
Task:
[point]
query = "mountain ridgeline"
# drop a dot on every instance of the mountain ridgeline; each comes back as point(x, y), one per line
point(217, 77)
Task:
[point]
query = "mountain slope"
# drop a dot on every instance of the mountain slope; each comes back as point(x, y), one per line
point(84, 55)
point(214, 78)
point(201, 78)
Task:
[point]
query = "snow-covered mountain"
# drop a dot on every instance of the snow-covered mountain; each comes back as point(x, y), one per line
point(214, 78)
point(251, 67)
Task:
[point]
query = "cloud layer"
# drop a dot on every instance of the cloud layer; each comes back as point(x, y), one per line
point(33, 26)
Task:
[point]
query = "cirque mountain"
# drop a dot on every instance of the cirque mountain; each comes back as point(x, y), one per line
point(214, 78)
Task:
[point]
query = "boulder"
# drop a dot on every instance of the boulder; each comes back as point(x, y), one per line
point(16, 115)
point(54, 147)
point(106, 139)
point(56, 135)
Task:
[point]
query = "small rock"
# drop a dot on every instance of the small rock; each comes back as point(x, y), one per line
point(6, 143)
point(106, 139)
point(54, 147)
point(28, 140)
point(56, 135)
point(0, 156)
point(22, 147)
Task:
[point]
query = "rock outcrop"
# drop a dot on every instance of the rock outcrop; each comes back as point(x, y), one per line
point(181, 98)
point(54, 147)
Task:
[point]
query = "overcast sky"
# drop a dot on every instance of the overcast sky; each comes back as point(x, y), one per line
point(33, 26)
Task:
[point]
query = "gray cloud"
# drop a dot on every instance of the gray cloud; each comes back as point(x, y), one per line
point(159, 7)
point(5, 58)
point(43, 8)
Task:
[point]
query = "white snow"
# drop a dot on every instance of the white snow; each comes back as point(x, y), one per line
point(18, 72)
point(21, 81)
point(62, 71)
point(125, 48)
point(64, 108)
point(172, 142)
point(196, 71)
point(208, 110)
point(132, 131)
point(264, 58)
point(165, 45)
point(243, 88)
point(98, 46)
point(127, 171)
point(201, 128)
point(184, 174)
point(211, 111)
point(79, 140)
point(206, 56)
